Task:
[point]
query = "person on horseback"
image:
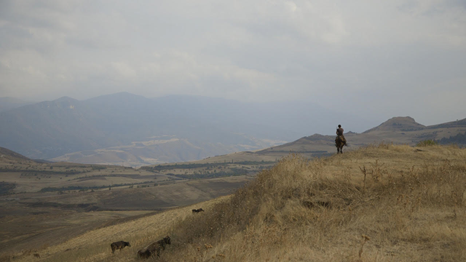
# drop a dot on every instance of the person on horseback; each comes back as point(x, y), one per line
point(340, 140)
point(340, 131)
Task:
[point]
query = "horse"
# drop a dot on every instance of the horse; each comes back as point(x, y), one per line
point(155, 248)
point(340, 143)
point(119, 245)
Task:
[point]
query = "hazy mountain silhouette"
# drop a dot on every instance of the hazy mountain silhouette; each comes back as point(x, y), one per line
point(8, 103)
point(133, 130)
point(53, 128)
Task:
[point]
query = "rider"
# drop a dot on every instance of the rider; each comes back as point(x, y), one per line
point(340, 134)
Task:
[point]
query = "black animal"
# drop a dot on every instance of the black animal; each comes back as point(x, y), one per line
point(144, 253)
point(198, 210)
point(155, 248)
point(119, 245)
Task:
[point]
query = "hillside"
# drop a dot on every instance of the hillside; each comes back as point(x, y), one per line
point(8, 155)
point(398, 124)
point(377, 203)
point(397, 130)
point(45, 203)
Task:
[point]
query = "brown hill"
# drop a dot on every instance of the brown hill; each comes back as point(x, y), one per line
point(452, 124)
point(398, 124)
point(397, 130)
point(6, 154)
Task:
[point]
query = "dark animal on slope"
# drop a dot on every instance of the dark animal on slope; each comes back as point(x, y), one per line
point(340, 143)
point(198, 210)
point(144, 253)
point(155, 248)
point(119, 245)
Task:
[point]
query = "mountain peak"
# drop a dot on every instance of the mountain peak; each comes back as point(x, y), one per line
point(398, 124)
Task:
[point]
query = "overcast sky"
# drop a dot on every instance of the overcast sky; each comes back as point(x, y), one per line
point(376, 59)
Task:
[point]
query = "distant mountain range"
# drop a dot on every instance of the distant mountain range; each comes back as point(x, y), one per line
point(8, 103)
point(397, 130)
point(131, 130)
point(128, 129)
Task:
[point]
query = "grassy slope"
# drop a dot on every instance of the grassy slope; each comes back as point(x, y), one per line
point(378, 203)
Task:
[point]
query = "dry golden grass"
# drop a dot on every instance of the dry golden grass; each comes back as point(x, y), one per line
point(95, 245)
point(379, 203)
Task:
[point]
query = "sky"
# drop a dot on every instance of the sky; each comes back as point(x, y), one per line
point(372, 58)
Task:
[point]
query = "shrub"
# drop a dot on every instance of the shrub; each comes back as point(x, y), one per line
point(429, 142)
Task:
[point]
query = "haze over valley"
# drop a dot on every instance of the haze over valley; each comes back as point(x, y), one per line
point(131, 130)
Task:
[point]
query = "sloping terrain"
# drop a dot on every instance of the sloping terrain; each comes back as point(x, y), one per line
point(397, 130)
point(377, 203)
point(402, 124)
point(7, 155)
point(8, 159)
point(43, 203)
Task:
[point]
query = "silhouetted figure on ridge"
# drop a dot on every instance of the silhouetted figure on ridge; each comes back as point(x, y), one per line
point(340, 140)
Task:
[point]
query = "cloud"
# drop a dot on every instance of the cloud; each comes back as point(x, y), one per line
point(328, 52)
point(124, 69)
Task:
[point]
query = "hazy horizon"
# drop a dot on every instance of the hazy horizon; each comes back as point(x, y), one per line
point(374, 60)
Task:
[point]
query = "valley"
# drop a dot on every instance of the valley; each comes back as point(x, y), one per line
point(58, 201)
